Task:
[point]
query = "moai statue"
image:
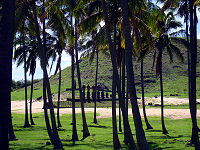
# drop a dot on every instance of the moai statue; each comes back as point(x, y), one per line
point(83, 89)
point(98, 93)
point(102, 94)
point(107, 93)
point(88, 93)
point(93, 93)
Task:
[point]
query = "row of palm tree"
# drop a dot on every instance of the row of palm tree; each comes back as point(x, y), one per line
point(130, 31)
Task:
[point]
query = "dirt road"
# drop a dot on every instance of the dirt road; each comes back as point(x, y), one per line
point(18, 107)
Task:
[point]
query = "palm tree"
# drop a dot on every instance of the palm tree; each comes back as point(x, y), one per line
point(32, 66)
point(6, 45)
point(93, 47)
point(86, 132)
point(116, 142)
point(57, 143)
point(140, 135)
point(186, 8)
point(112, 50)
point(26, 124)
point(90, 24)
point(74, 129)
point(142, 40)
point(193, 54)
point(55, 49)
point(164, 41)
point(58, 67)
point(31, 60)
point(20, 55)
point(144, 50)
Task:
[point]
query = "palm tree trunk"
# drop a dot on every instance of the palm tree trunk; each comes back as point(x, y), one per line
point(120, 71)
point(123, 80)
point(140, 135)
point(58, 105)
point(164, 130)
point(74, 129)
point(6, 46)
point(112, 49)
point(57, 143)
point(95, 91)
point(26, 124)
point(116, 142)
point(12, 136)
point(47, 122)
point(143, 100)
point(193, 51)
point(120, 118)
point(188, 56)
point(31, 99)
point(127, 96)
point(86, 132)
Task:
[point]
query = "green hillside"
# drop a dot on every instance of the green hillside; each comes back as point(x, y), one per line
point(174, 77)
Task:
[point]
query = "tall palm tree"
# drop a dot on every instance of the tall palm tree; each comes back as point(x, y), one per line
point(6, 45)
point(92, 48)
point(32, 66)
point(188, 10)
point(26, 124)
point(116, 142)
point(90, 25)
point(74, 129)
point(112, 50)
point(58, 67)
point(193, 54)
point(24, 25)
point(20, 55)
point(165, 41)
point(144, 50)
point(57, 143)
point(86, 132)
point(142, 40)
point(140, 135)
point(55, 49)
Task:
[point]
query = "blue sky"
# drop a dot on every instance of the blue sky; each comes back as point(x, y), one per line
point(18, 72)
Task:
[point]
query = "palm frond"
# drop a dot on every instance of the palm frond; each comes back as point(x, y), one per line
point(177, 51)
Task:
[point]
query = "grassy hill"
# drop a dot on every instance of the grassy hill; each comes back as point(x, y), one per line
point(174, 77)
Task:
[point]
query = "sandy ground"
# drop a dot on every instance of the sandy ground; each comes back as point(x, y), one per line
point(18, 107)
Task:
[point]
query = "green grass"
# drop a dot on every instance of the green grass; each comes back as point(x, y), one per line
point(101, 134)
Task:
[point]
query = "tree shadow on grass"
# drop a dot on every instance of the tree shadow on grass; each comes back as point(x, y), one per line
point(89, 146)
point(98, 126)
point(165, 137)
point(152, 130)
point(74, 144)
point(155, 146)
point(31, 128)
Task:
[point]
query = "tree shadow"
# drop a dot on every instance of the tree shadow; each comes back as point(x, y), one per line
point(152, 130)
point(31, 128)
point(98, 126)
point(155, 146)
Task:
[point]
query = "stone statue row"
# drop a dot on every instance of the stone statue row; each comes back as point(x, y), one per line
point(99, 94)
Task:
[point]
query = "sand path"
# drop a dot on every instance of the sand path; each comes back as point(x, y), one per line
point(18, 107)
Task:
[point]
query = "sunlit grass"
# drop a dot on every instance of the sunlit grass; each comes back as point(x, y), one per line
point(101, 134)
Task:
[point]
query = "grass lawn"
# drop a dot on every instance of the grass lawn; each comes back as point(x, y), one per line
point(101, 134)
